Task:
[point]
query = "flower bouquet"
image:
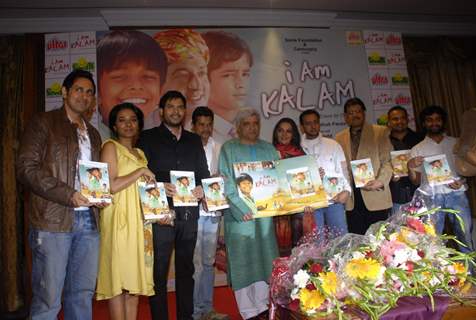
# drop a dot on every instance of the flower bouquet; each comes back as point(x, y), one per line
point(400, 257)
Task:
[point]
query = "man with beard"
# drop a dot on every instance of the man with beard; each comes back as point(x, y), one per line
point(449, 196)
point(361, 140)
point(402, 138)
point(170, 147)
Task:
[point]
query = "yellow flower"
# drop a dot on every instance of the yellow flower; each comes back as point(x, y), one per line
point(374, 56)
point(407, 236)
point(82, 62)
point(459, 268)
point(363, 269)
point(56, 87)
point(426, 275)
point(310, 299)
point(429, 229)
point(329, 282)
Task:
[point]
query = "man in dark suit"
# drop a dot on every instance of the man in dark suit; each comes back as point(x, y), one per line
point(170, 147)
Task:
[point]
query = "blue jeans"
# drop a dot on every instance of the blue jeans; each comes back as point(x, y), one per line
point(457, 201)
point(204, 260)
point(68, 259)
point(333, 217)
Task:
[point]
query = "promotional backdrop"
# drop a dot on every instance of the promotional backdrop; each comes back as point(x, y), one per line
point(278, 71)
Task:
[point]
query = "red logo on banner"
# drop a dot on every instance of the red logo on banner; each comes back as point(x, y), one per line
point(402, 99)
point(393, 40)
point(55, 44)
point(379, 80)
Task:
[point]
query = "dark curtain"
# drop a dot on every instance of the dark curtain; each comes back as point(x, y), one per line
point(442, 71)
point(21, 64)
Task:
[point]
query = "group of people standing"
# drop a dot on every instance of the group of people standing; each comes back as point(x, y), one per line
point(73, 244)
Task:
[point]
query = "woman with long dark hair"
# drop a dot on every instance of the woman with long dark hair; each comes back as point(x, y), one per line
point(287, 140)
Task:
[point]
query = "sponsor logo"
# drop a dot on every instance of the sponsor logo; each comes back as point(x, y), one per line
point(57, 65)
point(402, 99)
point(379, 79)
point(55, 44)
point(373, 38)
point(382, 98)
point(393, 40)
point(83, 41)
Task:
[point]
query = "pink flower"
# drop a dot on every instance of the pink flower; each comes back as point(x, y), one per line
point(388, 248)
point(416, 225)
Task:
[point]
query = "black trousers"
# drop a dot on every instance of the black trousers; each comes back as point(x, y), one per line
point(360, 218)
point(182, 237)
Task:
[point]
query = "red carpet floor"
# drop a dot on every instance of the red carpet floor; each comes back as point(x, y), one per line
point(224, 302)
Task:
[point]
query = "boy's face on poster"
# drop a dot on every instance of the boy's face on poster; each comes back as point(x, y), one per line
point(130, 82)
point(190, 77)
point(245, 187)
point(184, 182)
point(229, 85)
point(155, 193)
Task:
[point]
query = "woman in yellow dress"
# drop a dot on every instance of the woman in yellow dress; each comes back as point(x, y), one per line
point(126, 252)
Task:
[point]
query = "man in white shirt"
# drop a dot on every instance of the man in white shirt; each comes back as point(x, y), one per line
point(448, 196)
point(330, 159)
point(208, 226)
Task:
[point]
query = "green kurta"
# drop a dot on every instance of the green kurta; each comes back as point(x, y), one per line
point(251, 246)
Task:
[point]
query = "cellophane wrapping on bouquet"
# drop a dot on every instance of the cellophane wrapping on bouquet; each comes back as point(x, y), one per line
point(402, 256)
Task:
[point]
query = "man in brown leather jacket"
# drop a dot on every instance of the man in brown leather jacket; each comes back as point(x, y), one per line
point(63, 235)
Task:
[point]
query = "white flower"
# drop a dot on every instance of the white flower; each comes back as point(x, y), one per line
point(357, 255)
point(413, 256)
point(380, 278)
point(434, 281)
point(301, 278)
point(400, 257)
point(295, 294)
